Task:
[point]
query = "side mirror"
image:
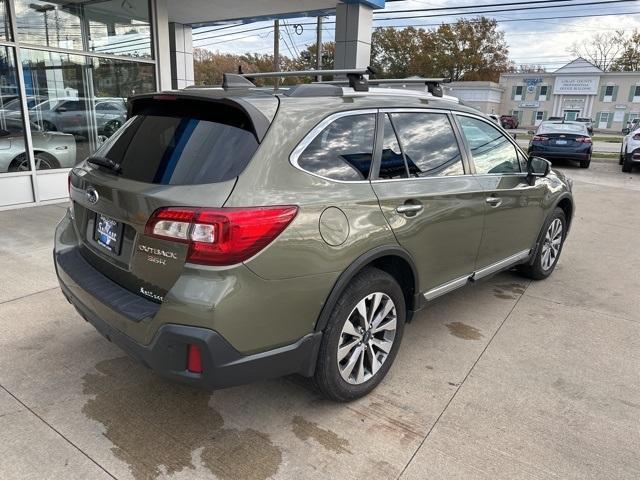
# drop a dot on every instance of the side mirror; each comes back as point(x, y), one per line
point(537, 167)
point(531, 132)
point(626, 131)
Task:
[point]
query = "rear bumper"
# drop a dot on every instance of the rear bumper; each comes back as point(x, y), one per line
point(222, 365)
point(559, 154)
point(634, 156)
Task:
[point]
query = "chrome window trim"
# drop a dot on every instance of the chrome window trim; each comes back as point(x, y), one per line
point(384, 180)
point(315, 131)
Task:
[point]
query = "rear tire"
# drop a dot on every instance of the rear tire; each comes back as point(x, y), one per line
point(356, 353)
point(585, 163)
point(627, 164)
point(548, 254)
point(622, 155)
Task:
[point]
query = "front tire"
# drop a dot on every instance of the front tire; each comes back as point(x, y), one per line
point(362, 337)
point(627, 164)
point(548, 254)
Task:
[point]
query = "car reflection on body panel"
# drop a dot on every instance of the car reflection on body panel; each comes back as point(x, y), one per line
point(51, 149)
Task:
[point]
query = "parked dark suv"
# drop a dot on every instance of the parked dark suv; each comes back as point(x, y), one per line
point(225, 235)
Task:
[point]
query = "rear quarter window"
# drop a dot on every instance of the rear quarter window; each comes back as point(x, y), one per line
point(343, 150)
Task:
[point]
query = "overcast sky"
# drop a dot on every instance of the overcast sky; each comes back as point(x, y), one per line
point(533, 41)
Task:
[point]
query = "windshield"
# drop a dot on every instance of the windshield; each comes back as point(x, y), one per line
point(563, 128)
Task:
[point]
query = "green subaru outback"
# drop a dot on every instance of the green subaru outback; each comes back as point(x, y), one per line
point(226, 235)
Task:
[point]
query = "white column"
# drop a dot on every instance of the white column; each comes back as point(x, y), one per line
point(161, 37)
point(353, 35)
point(181, 52)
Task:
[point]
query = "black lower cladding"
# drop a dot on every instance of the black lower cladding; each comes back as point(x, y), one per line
point(119, 299)
point(222, 365)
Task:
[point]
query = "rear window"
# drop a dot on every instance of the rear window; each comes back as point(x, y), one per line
point(178, 145)
point(562, 128)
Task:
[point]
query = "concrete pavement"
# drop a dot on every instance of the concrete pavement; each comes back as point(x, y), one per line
point(504, 379)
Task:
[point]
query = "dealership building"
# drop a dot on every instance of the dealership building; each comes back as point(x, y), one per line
point(68, 66)
point(579, 89)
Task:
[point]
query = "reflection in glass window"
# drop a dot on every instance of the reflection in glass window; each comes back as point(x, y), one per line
point(5, 27)
point(392, 163)
point(343, 150)
point(79, 101)
point(428, 143)
point(115, 26)
point(13, 157)
point(492, 152)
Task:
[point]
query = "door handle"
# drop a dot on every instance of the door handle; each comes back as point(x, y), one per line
point(494, 201)
point(409, 208)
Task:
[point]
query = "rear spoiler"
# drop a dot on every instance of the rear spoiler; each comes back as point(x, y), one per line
point(259, 120)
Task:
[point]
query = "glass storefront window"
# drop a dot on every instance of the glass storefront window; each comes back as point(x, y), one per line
point(13, 157)
point(76, 102)
point(119, 28)
point(5, 26)
point(113, 27)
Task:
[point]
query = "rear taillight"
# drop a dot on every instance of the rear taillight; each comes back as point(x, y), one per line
point(540, 138)
point(583, 139)
point(220, 236)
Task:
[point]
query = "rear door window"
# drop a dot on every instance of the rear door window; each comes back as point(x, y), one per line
point(343, 150)
point(392, 161)
point(428, 143)
point(181, 146)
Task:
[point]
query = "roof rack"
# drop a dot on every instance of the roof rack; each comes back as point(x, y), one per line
point(433, 84)
point(355, 77)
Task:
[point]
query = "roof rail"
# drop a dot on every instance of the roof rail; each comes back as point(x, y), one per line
point(433, 84)
point(355, 77)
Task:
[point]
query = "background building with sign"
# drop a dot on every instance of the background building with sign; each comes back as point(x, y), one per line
point(577, 90)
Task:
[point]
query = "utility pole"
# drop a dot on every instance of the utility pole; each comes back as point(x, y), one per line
point(276, 51)
point(319, 48)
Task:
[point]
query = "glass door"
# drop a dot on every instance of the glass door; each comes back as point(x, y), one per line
point(571, 115)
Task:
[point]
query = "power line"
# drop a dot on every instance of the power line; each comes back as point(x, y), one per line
point(465, 7)
point(505, 10)
point(505, 20)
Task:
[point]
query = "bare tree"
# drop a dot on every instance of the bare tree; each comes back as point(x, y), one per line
point(629, 59)
point(601, 49)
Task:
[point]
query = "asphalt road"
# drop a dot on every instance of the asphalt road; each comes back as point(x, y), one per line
point(504, 379)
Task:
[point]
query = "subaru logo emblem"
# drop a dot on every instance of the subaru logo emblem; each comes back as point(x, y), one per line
point(92, 195)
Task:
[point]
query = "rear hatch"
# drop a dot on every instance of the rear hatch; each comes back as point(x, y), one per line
point(565, 140)
point(175, 150)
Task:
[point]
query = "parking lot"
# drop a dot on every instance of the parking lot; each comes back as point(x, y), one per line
point(504, 379)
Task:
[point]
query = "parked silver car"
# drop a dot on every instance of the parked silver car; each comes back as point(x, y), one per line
point(51, 149)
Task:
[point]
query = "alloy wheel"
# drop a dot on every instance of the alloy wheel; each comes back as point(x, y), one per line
point(367, 338)
point(552, 244)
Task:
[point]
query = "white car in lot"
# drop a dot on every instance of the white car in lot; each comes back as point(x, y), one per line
point(630, 151)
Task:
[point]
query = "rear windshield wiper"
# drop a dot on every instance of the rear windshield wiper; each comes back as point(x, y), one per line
point(105, 162)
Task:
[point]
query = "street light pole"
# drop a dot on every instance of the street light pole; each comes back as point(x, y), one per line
point(319, 48)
